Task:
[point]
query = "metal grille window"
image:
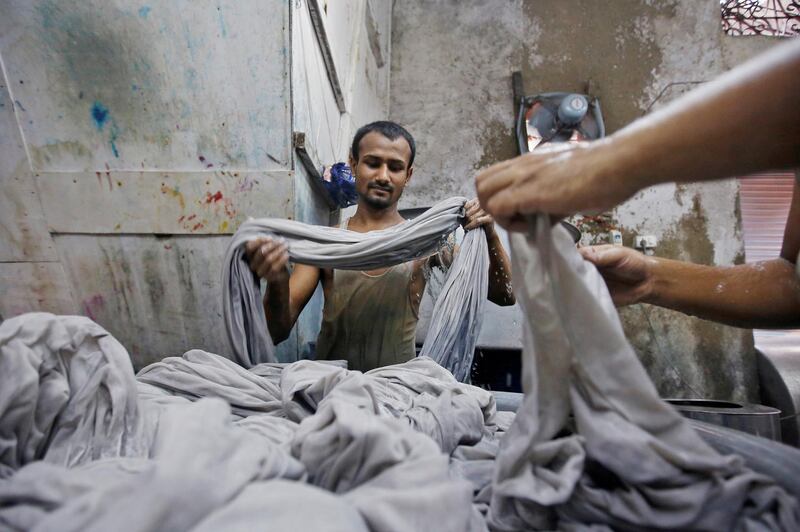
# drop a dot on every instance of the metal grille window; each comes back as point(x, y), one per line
point(779, 18)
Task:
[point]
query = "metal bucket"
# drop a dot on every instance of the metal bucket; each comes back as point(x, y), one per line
point(758, 420)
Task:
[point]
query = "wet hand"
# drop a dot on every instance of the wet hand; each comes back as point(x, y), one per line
point(475, 216)
point(268, 258)
point(561, 179)
point(627, 272)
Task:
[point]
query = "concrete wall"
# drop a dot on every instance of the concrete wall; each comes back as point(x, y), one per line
point(136, 135)
point(451, 85)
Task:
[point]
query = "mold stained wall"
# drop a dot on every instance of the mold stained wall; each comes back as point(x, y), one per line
point(451, 85)
point(136, 136)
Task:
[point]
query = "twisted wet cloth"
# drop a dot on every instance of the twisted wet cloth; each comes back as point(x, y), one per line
point(458, 310)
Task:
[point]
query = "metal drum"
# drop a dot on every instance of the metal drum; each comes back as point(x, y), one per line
point(779, 380)
point(758, 420)
point(778, 461)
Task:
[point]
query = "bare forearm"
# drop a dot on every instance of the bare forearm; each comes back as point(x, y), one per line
point(762, 295)
point(278, 310)
point(500, 290)
point(745, 121)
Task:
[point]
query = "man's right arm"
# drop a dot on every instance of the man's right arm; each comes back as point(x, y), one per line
point(287, 294)
point(746, 121)
point(761, 295)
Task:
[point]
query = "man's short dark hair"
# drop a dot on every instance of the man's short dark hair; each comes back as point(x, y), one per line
point(390, 130)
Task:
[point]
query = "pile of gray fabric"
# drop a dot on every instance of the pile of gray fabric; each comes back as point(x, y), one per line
point(457, 312)
point(627, 461)
point(199, 443)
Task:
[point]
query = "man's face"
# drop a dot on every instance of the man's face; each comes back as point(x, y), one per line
point(382, 169)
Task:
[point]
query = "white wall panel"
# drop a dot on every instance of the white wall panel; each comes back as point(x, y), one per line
point(173, 203)
point(35, 287)
point(23, 232)
point(160, 84)
point(158, 296)
point(359, 34)
point(315, 111)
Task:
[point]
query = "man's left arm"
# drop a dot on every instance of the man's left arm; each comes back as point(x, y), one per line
point(500, 289)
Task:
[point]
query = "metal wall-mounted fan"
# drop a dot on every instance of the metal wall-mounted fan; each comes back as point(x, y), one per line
point(555, 117)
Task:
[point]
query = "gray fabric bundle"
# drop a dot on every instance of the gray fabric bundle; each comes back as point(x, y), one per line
point(458, 311)
point(198, 462)
point(634, 463)
point(200, 443)
point(200, 374)
point(67, 393)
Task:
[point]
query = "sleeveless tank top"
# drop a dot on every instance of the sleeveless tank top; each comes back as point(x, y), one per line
point(369, 320)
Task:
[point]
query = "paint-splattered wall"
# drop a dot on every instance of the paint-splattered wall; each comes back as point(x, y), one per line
point(136, 136)
point(451, 84)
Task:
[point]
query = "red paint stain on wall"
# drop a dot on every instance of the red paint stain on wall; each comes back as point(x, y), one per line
point(213, 197)
point(230, 212)
point(93, 304)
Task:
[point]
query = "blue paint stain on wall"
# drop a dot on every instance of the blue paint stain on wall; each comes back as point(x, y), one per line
point(99, 115)
point(144, 11)
point(114, 133)
point(222, 23)
point(191, 78)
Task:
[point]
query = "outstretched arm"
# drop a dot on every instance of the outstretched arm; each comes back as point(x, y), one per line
point(287, 294)
point(745, 121)
point(762, 295)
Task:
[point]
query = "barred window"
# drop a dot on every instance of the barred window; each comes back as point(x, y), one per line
point(778, 18)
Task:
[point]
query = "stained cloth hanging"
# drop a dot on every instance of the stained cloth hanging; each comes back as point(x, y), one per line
point(458, 312)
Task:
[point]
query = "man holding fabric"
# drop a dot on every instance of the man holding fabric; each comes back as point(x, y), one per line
point(369, 318)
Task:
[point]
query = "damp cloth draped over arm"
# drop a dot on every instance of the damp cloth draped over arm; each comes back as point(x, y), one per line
point(632, 462)
point(328, 247)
